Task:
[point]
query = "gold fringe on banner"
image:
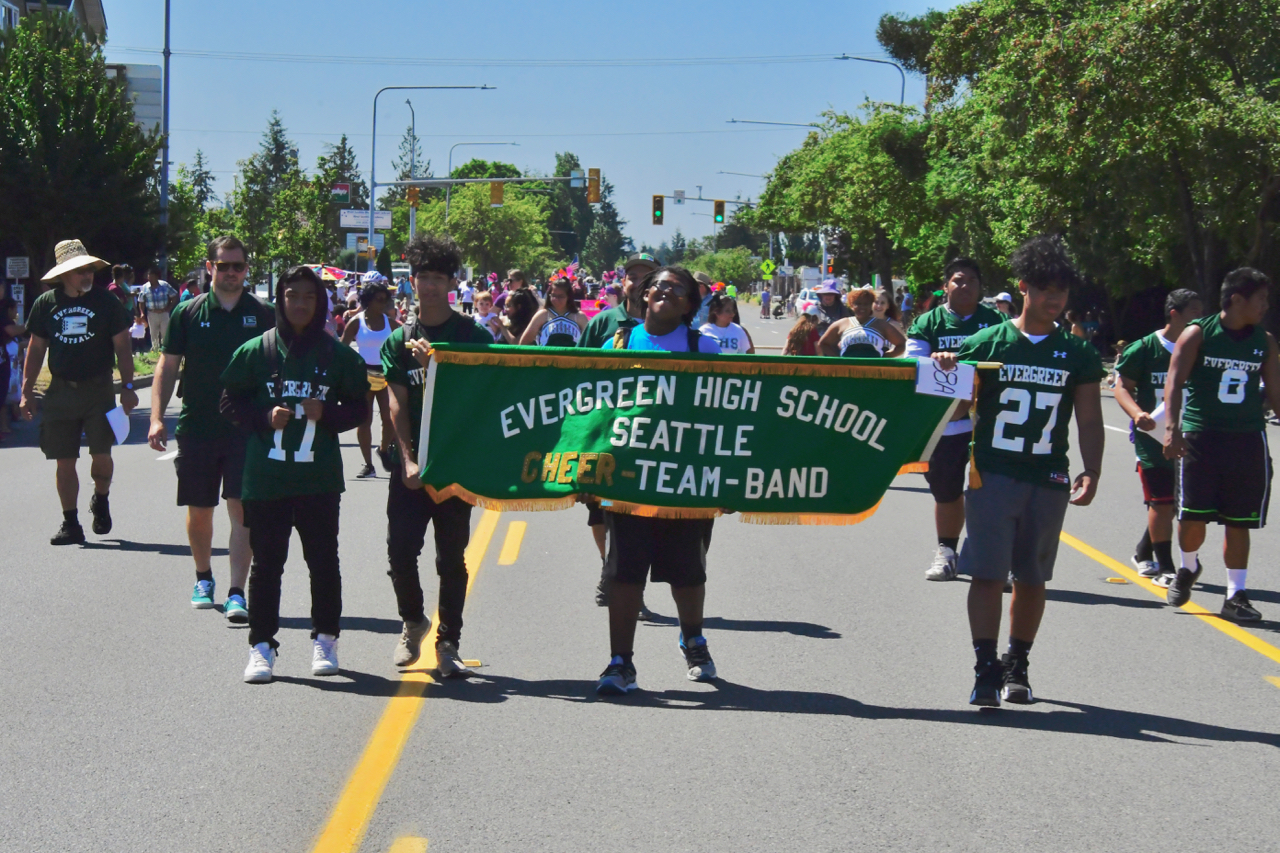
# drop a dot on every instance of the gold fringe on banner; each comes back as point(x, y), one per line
point(821, 519)
point(519, 505)
point(646, 511)
point(736, 365)
point(914, 468)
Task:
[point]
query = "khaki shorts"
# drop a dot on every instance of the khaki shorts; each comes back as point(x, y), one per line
point(73, 409)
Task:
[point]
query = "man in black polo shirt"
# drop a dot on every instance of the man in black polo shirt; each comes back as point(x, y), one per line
point(85, 330)
point(203, 335)
point(435, 262)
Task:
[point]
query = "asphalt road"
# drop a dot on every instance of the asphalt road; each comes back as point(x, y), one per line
point(840, 722)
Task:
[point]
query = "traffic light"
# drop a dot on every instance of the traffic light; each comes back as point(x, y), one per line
point(413, 197)
point(719, 212)
point(657, 210)
point(831, 266)
point(593, 186)
point(495, 193)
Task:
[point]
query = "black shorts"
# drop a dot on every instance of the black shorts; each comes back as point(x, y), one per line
point(1157, 485)
point(1225, 477)
point(595, 515)
point(666, 550)
point(946, 467)
point(205, 464)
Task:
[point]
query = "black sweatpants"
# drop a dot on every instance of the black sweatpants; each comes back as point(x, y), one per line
point(270, 524)
point(408, 512)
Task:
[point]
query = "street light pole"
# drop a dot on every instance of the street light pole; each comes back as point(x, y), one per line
point(413, 144)
point(164, 154)
point(373, 143)
point(902, 97)
point(448, 189)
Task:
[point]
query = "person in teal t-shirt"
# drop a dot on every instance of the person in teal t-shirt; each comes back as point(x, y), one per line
point(294, 389)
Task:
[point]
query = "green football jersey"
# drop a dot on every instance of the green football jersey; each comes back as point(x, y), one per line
point(401, 368)
point(1223, 391)
point(1146, 363)
point(1023, 410)
point(945, 331)
point(303, 458)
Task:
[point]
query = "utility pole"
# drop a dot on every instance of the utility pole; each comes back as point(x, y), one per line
point(413, 144)
point(164, 153)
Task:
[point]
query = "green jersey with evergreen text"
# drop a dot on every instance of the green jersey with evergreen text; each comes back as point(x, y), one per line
point(1023, 410)
point(1146, 363)
point(303, 458)
point(946, 331)
point(1223, 392)
point(401, 368)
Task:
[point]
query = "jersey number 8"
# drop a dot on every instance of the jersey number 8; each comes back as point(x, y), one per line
point(1231, 388)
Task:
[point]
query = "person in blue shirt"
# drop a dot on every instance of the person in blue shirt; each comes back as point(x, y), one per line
point(666, 550)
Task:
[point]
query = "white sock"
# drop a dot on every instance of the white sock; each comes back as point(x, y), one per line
point(1188, 559)
point(1235, 581)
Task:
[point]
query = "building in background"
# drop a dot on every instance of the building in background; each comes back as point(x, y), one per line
point(144, 84)
point(89, 12)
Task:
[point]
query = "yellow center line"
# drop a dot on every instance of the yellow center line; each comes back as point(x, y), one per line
point(511, 545)
point(346, 827)
point(1232, 630)
point(409, 844)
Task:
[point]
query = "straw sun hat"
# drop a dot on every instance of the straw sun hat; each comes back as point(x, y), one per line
point(71, 255)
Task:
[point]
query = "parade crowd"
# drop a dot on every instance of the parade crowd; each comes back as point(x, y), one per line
point(268, 386)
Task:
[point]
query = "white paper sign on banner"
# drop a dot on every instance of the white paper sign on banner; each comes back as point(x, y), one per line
point(956, 384)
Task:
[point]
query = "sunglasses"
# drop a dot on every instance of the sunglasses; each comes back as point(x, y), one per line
point(675, 288)
point(230, 266)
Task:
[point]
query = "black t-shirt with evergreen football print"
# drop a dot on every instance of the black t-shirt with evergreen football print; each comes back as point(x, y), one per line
point(79, 331)
point(303, 458)
point(401, 368)
point(946, 331)
point(1023, 410)
point(1146, 363)
point(1223, 391)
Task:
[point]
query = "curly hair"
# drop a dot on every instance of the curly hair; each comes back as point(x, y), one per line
point(372, 292)
point(433, 253)
point(1044, 262)
point(523, 304)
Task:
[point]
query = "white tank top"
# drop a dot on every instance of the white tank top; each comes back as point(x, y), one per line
point(369, 342)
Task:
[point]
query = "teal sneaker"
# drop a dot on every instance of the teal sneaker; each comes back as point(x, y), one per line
point(235, 610)
point(202, 595)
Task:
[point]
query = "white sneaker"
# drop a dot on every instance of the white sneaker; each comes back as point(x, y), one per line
point(944, 565)
point(1147, 568)
point(448, 663)
point(324, 655)
point(261, 660)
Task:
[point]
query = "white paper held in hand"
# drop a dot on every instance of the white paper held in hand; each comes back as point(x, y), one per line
point(955, 384)
point(119, 424)
point(1158, 415)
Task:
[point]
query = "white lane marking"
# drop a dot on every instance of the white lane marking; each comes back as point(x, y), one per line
point(165, 457)
point(1117, 429)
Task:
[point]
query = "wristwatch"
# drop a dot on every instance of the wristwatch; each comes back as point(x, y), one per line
point(128, 385)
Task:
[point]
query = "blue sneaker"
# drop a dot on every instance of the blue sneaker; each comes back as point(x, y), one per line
point(202, 595)
point(698, 658)
point(235, 609)
point(618, 679)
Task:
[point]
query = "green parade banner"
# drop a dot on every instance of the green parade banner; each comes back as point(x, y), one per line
point(781, 440)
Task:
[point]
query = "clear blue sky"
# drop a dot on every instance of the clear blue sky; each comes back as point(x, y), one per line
point(652, 128)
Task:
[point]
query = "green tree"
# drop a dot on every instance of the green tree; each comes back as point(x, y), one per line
point(338, 165)
point(72, 161)
point(494, 238)
point(731, 266)
point(263, 176)
point(410, 151)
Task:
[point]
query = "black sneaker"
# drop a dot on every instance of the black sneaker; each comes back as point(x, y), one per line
point(100, 509)
point(618, 679)
point(366, 472)
point(384, 456)
point(1179, 592)
point(70, 533)
point(1017, 687)
point(986, 687)
point(697, 658)
point(1238, 609)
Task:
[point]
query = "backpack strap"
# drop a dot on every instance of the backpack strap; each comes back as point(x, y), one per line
point(694, 337)
point(184, 319)
point(622, 337)
point(271, 350)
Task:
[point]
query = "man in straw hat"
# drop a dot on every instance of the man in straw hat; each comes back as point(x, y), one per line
point(84, 330)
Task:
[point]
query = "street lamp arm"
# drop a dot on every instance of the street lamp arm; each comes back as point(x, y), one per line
point(902, 97)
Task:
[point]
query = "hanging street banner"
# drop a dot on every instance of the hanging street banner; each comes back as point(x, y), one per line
point(781, 440)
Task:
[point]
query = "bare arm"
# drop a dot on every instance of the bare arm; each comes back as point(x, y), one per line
point(1184, 356)
point(123, 343)
point(399, 406)
point(829, 343)
point(530, 335)
point(1088, 406)
point(30, 370)
point(1271, 374)
point(1124, 392)
point(349, 332)
point(161, 391)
